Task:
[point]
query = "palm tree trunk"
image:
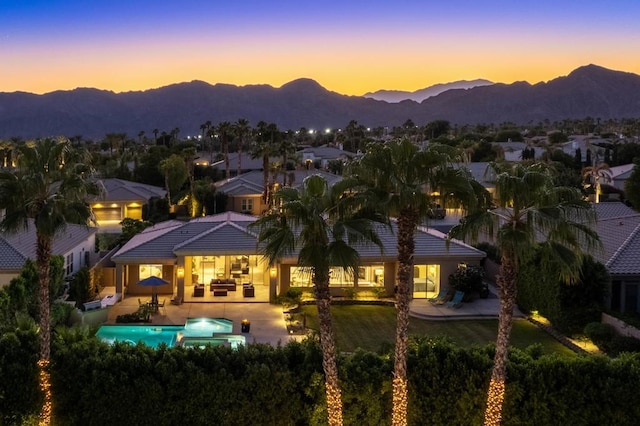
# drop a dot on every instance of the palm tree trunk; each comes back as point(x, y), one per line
point(407, 220)
point(265, 179)
point(225, 147)
point(507, 291)
point(43, 257)
point(240, 156)
point(328, 345)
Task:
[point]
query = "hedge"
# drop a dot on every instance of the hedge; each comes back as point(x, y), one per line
point(97, 384)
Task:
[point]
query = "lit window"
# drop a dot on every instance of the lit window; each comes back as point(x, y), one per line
point(147, 271)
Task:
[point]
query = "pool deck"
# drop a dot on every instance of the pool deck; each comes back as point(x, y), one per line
point(268, 322)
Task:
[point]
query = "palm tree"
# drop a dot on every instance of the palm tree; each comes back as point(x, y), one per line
point(224, 130)
point(264, 147)
point(286, 147)
point(241, 130)
point(404, 179)
point(189, 154)
point(48, 189)
point(324, 224)
point(596, 175)
point(532, 212)
point(155, 135)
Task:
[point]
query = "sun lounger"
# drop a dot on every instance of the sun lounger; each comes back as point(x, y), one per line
point(456, 301)
point(441, 298)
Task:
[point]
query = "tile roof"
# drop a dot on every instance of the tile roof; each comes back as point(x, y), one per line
point(15, 248)
point(251, 183)
point(626, 260)
point(228, 233)
point(124, 190)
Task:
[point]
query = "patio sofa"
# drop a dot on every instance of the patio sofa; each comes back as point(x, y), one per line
point(228, 284)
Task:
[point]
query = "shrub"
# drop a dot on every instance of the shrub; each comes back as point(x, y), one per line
point(82, 289)
point(469, 279)
point(600, 333)
point(349, 293)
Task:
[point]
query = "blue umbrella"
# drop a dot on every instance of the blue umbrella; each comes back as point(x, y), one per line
point(154, 282)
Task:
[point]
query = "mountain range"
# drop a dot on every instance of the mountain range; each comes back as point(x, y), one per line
point(420, 95)
point(588, 91)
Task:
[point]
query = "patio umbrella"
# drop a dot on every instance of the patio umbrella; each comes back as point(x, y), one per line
point(153, 282)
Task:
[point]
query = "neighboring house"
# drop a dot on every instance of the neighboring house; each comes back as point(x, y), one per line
point(245, 192)
point(618, 227)
point(193, 255)
point(76, 244)
point(248, 164)
point(620, 174)
point(323, 155)
point(122, 199)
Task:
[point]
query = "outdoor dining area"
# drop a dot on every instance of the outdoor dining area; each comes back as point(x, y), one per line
point(153, 305)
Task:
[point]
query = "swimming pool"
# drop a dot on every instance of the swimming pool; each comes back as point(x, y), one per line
point(196, 331)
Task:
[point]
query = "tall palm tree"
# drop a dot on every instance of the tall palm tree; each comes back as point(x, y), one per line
point(225, 131)
point(404, 179)
point(324, 225)
point(286, 147)
point(48, 189)
point(155, 135)
point(532, 212)
point(241, 130)
point(596, 175)
point(264, 146)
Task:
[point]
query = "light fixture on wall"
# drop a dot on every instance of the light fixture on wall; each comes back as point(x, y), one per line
point(180, 272)
point(273, 272)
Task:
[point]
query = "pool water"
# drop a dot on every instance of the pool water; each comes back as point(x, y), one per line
point(195, 332)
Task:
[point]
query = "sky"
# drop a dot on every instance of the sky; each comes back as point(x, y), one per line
point(349, 46)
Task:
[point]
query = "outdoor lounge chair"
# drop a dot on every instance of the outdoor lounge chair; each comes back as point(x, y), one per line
point(441, 298)
point(175, 301)
point(456, 301)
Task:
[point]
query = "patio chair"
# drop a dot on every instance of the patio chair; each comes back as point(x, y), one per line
point(161, 306)
point(456, 302)
point(441, 298)
point(175, 301)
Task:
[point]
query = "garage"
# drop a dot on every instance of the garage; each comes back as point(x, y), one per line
point(104, 214)
point(134, 212)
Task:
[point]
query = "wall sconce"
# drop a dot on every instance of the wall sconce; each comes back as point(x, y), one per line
point(273, 272)
point(180, 272)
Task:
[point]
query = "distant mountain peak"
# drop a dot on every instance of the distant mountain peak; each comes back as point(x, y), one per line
point(304, 84)
point(395, 96)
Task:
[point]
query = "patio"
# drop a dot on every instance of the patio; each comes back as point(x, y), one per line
point(268, 322)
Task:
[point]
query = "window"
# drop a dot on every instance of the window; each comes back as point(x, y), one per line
point(426, 281)
point(69, 262)
point(147, 271)
point(246, 205)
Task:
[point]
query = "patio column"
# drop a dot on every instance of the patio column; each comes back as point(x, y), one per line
point(120, 279)
point(180, 274)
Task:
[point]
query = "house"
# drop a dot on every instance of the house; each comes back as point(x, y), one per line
point(323, 155)
point(210, 259)
point(618, 227)
point(76, 244)
point(620, 174)
point(122, 199)
point(247, 163)
point(245, 192)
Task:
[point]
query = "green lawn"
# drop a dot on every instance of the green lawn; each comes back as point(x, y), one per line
point(370, 327)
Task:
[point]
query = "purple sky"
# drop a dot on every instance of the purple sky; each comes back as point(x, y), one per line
point(350, 47)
